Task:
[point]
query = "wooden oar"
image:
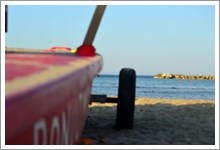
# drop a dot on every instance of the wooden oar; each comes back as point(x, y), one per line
point(93, 27)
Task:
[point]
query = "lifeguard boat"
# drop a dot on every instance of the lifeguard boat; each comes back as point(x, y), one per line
point(47, 92)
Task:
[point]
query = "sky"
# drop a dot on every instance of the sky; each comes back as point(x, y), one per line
point(151, 39)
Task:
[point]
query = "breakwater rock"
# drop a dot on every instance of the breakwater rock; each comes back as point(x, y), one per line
point(181, 76)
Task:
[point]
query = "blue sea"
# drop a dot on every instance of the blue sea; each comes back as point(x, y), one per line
point(147, 86)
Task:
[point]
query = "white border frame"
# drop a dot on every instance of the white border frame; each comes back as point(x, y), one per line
point(216, 3)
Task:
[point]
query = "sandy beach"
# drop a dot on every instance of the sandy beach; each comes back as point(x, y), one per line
point(156, 122)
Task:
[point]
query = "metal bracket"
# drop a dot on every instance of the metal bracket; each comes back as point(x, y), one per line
point(103, 99)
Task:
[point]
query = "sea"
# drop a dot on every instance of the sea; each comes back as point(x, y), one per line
point(147, 86)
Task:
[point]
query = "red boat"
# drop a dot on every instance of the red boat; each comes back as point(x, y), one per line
point(47, 97)
point(47, 93)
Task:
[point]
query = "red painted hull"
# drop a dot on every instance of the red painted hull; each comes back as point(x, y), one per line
point(47, 97)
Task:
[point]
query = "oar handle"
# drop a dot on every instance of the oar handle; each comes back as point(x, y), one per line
point(93, 27)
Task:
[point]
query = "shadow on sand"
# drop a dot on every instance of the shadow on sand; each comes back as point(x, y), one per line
point(154, 124)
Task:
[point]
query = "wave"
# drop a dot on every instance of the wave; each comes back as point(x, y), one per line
point(159, 88)
point(174, 87)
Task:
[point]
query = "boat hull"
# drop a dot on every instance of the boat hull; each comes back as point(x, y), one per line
point(48, 104)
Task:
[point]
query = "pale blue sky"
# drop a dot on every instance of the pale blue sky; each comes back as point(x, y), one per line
point(150, 39)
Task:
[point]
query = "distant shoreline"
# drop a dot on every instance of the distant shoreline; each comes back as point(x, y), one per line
point(117, 75)
point(182, 76)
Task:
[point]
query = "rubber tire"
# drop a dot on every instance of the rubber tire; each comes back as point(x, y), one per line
point(126, 99)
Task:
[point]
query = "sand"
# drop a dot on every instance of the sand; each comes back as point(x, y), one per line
point(156, 122)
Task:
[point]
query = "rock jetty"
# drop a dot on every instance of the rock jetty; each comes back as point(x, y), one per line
point(186, 77)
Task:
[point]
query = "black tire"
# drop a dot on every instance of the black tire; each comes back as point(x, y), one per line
point(126, 99)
